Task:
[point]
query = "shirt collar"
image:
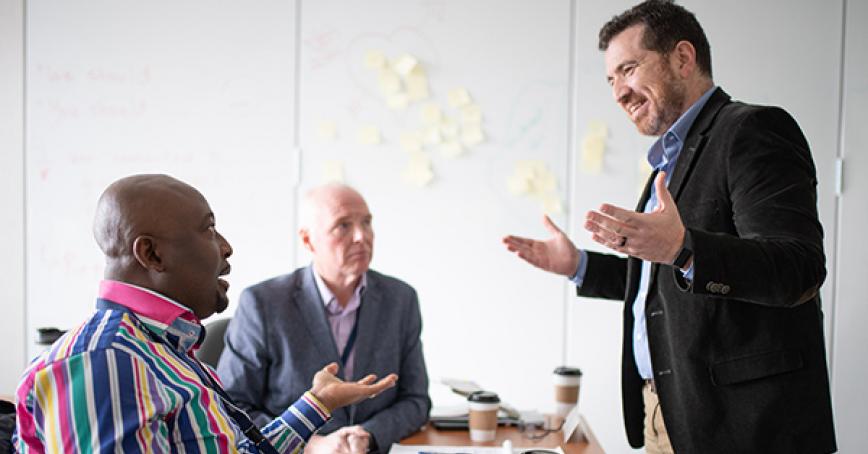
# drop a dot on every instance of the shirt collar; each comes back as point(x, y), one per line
point(162, 315)
point(668, 146)
point(328, 297)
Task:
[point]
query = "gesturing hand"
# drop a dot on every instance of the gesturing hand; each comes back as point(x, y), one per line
point(556, 254)
point(655, 237)
point(335, 393)
point(346, 440)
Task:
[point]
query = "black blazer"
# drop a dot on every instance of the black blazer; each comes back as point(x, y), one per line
point(738, 355)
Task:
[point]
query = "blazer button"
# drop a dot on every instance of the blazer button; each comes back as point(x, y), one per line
point(724, 290)
point(709, 286)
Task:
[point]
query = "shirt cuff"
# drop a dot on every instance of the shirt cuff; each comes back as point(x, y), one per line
point(688, 274)
point(579, 277)
point(306, 415)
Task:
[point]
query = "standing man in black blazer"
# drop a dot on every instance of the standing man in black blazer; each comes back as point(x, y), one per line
point(723, 346)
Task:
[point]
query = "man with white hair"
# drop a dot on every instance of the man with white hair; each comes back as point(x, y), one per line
point(336, 309)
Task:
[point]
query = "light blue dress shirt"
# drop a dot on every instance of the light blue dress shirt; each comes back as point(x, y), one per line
point(662, 156)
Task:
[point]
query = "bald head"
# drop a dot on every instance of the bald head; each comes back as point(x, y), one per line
point(335, 226)
point(159, 233)
point(323, 198)
point(133, 206)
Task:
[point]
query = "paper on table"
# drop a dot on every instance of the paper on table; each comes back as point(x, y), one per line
point(416, 449)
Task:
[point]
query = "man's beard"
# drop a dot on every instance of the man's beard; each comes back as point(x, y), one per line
point(670, 103)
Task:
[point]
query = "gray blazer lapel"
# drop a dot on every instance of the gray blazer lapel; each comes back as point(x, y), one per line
point(310, 306)
point(368, 316)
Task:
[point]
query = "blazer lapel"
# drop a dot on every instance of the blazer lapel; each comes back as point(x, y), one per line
point(368, 316)
point(310, 305)
point(695, 141)
point(692, 148)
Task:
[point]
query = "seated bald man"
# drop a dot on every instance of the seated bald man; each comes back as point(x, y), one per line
point(336, 309)
point(126, 380)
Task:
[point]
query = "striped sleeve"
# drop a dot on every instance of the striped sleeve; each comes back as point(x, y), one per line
point(95, 401)
point(290, 431)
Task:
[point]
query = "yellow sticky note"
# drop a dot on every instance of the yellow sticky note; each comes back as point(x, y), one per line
point(432, 135)
point(417, 86)
point(471, 113)
point(375, 59)
point(597, 128)
point(592, 150)
point(333, 172)
point(368, 135)
point(458, 97)
point(546, 182)
point(448, 128)
point(418, 171)
point(390, 83)
point(405, 64)
point(411, 141)
point(552, 205)
point(518, 185)
point(431, 114)
point(397, 101)
point(472, 135)
point(327, 130)
point(451, 149)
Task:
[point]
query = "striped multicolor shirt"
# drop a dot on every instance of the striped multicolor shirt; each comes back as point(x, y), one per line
point(126, 380)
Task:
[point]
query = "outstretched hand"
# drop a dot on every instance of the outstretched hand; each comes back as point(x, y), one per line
point(335, 393)
point(655, 237)
point(556, 254)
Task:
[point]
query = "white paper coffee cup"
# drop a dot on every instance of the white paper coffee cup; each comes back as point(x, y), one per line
point(483, 407)
point(567, 381)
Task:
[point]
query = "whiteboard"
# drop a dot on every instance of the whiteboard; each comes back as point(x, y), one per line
point(486, 315)
point(199, 90)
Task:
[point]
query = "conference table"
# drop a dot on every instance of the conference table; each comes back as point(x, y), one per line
point(431, 436)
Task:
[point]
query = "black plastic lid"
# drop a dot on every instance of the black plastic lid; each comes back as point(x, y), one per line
point(486, 397)
point(570, 371)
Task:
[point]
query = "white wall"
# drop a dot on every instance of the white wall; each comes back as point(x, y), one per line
point(849, 364)
point(12, 360)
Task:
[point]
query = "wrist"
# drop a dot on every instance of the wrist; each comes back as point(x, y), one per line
point(684, 257)
point(315, 396)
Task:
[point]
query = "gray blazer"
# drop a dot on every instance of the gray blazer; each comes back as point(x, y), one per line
point(279, 338)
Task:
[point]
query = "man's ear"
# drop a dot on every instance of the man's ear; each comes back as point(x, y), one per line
point(304, 236)
point(685, 58)
point(146, 252)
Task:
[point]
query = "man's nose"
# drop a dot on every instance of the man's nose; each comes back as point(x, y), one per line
point(358, 233)
point(225, 247)
point(620, 91)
